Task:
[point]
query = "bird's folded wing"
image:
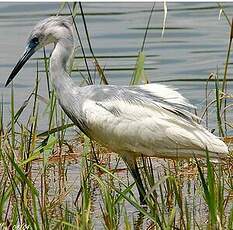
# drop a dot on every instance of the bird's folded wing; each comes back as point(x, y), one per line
point(145, 128)
point(164, 93)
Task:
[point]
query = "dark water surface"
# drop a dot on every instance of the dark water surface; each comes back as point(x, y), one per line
point(194, 43)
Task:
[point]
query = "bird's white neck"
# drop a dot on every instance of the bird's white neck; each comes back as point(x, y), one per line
point(60, 56)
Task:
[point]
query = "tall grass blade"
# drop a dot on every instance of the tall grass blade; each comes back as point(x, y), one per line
point(100, 70)
point(218, 106)
point(139, 69)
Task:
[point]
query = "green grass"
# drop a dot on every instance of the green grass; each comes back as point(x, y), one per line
point(50, 180)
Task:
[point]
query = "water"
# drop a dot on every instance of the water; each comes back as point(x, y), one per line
point(194, 44)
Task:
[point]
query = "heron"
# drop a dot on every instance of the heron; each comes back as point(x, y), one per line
point(151, 120)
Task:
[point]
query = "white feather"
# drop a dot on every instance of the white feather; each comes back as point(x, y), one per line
point(150, 131)
point(167, 93)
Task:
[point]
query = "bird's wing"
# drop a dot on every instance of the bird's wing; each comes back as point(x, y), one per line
point(166, 97)
point(154, 96)
point(135, 124)
point(163, 93)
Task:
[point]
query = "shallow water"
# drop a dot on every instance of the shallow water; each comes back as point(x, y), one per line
point(193, 46)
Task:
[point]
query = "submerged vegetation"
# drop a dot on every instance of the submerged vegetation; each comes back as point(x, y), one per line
point(58, 179)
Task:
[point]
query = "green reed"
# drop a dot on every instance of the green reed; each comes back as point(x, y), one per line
point(36, 169)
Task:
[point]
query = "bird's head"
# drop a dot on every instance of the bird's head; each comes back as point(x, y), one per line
point(45, 32)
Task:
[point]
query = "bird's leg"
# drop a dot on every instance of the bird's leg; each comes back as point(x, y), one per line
point(136, 175)
point(133, 168)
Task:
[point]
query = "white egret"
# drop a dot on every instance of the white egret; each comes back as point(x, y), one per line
point(149, 120)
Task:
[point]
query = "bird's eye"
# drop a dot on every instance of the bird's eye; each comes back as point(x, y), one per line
point(35, 40)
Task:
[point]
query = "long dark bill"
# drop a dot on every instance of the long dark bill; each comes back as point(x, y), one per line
point(27, 54)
